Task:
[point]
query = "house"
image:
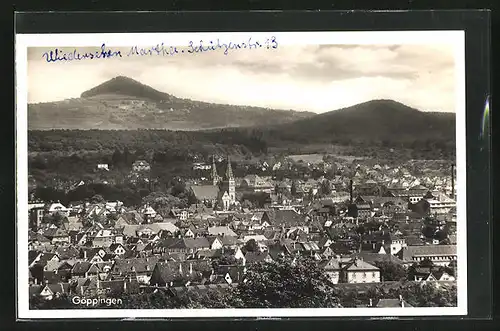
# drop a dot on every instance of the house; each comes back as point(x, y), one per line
point(172, 273)
point(117, 249)
point(37, 241)
point(33, 257)
point(41, 259)
point(285, 219)
point(214, 242)
point(141, 166)
point(184, 245)
point(254, 257)
point(36, 217)
point(230, 242)
point(148, 213)
point(370, 187)
point(441, 206)
point(442, 275)
point(221, 231)
point(339, 197)
point(372, 258)
point(359, 271)
point(181, 214)
point(105, 237)
point(332, 269)
point(140, 269)
point(233, 274)
point(57, 236)
point(412, 195)
point(360, 210)
point(103, 166)
point(256, 237)
point(67, 252)
point(58, 208)
point(92, 254)
point(440, 255)
point(422, 274)
point(206, 194)
point(51, 291)
point(84, 269)
point(129, 218)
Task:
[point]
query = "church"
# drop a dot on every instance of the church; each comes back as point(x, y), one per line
point(222, 191)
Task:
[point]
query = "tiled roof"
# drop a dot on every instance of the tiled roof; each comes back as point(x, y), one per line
point(360, 265)
point(140, 265)
point(430, 250)
point(221, 230)
point(193, 243)
point(251, 257)
point(171, 271)
point(205, 192)
point(285, 218)
point(81, 267)
point(373, 257)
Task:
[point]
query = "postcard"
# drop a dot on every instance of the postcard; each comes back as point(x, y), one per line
point(199, 175)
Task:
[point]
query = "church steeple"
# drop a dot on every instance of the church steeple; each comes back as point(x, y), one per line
point(229, 170)
point(215, 176)
point(228, 186)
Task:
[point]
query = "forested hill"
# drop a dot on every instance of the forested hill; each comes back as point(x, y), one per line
point(125, 104)
point(384, 122)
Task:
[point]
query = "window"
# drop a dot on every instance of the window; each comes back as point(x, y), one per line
point(374, 274)
point(364, 274)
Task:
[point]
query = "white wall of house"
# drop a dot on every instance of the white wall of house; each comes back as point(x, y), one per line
point(359, 277)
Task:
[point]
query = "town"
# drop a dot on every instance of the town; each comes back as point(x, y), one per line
point(362, 222)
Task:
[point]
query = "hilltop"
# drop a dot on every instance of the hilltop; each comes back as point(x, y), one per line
point(373, 121)
point(126, 104)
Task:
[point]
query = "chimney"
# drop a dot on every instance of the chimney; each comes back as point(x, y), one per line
point(190, 268)
point(350, 191)
point(371, 302)
point(180, 268)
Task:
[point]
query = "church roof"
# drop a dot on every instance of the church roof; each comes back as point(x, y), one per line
point(205, 192)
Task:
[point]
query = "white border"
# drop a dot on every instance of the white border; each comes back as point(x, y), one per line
point(23, 41)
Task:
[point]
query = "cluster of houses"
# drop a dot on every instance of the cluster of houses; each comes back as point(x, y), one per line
point(346, 232)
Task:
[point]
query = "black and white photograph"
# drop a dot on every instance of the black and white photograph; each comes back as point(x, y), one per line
point(241, 174)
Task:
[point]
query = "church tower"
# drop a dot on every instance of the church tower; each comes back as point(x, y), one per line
point(215, 176)
point(230, 181)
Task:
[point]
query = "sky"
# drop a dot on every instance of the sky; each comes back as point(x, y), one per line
point(317, 78)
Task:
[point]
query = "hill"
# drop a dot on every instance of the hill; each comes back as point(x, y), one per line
point(386, 122)
point(126, 86)
point(123, 103)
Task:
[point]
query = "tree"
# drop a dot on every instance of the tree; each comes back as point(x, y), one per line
point(390, 271)
point(162, 202)
point(325, 188)
point(287, 283)
point(426, 263)
point(360, 230)
point(428, 231)
point(97, 199)
point(251, 246)
point(224, 261)
point(247, 204)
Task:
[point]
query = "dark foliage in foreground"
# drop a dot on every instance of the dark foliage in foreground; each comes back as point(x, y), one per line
point(281, 284)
